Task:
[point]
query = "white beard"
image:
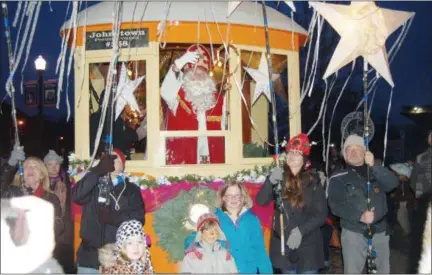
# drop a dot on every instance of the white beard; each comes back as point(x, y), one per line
point(199, 92)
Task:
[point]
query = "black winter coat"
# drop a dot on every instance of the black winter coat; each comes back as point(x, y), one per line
point(308, 219)
point(347, 196)
point(99, 223)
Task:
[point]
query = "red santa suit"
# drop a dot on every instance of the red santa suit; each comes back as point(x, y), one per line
point(182, 116)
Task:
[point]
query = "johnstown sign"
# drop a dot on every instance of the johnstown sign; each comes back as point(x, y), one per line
point(103, 40)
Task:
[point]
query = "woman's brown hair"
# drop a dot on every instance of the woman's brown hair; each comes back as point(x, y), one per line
point(247, 201)
point(293, 191)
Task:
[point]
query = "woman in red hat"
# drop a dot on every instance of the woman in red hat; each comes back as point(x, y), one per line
point(300, 199)
point(100, 220)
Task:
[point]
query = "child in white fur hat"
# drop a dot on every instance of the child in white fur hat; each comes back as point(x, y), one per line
point(206, 255)
point(129, 255)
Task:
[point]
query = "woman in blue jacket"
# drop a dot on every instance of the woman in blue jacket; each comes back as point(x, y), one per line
point(242, 229)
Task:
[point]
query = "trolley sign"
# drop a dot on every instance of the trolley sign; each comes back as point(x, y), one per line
point(103, 40)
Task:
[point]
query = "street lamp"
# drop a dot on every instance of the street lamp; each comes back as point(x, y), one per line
point(40, 65)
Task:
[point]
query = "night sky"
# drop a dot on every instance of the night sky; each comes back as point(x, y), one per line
point(411, 70)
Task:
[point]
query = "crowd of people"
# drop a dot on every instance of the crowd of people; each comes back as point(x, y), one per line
point(355, 198)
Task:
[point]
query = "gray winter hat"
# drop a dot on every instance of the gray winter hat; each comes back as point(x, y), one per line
point(52, 155)
point(353, 140)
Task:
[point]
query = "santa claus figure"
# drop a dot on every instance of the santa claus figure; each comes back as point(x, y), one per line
point(193, 104)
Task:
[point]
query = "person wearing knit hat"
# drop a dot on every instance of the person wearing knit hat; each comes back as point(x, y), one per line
point(206, 255)
point(300, 200)
point(129, 255)
point(353, 140)
point(348, 198)
point(61, 187)
point(104, 212)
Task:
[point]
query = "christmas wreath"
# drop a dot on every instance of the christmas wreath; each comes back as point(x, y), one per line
point(172, 222)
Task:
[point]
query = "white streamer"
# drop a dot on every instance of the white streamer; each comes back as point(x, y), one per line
point(71, 56)
point(333, 113)
point(63, 55)
point(111, 71)
point(83, 56)
point(29, 43)
point(387, 125)
point(321, 108)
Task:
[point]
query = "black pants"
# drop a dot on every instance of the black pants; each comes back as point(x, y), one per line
point(65, 256)
point(326, 231)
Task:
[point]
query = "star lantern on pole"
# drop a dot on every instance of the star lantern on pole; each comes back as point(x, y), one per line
point(232, 6)
point(364, 29)
point(125, 92)
point(261, 78)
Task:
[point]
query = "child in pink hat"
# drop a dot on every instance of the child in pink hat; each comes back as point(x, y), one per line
point(206, 255)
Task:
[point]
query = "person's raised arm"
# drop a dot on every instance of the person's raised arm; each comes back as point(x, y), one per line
point(172, 81)
point(81, 192)
point(265, 195)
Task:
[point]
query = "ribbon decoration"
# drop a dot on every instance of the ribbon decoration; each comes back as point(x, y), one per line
point(9, 84)
point(274, 121)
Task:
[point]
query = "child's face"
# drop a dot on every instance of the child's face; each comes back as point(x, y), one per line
point(135, 248)
point(210, 236)
point(233, 198)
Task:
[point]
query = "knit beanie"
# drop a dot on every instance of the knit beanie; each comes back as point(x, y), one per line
point(52, 155)
point(353, 140)
point(204, 218)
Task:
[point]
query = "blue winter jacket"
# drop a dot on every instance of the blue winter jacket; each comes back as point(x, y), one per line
point(246, 242)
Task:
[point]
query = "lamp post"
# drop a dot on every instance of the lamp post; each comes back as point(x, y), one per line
point(40, 65)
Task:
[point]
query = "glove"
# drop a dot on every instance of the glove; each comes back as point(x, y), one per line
point(105, 166)
point(189, 57)
point(276, 175)
point(16, 156)
point(294, 239)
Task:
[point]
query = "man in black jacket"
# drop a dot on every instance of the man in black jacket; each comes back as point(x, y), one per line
point(347, 196)
point(99, 222)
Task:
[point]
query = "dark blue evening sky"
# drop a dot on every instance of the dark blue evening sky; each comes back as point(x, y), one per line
point(411, 70)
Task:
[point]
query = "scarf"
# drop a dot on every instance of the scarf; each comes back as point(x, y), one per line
point(138, 266)
point(39, 191)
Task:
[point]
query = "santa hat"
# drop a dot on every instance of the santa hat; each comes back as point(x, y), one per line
point(120, 154)
point(353, 140)
point(204, 61)
point(203, 219)
point(299, 143)
point(127, 230)
point(52, 155)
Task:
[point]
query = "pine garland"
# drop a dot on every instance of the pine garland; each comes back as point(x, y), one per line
point(255, 175)
point(170, 220)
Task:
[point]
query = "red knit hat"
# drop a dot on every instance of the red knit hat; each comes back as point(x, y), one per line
point(120, 154)
point(206, 217)
point(204, 61)
point(299, 143)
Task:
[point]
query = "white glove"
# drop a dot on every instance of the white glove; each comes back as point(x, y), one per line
point(189, 57)
point(39, 216)
point(16, 155)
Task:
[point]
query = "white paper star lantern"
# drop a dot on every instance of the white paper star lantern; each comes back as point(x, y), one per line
point(261, 78)
point(125, 92)
point(232, 6)
point(291, 5)
point(363, 28)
